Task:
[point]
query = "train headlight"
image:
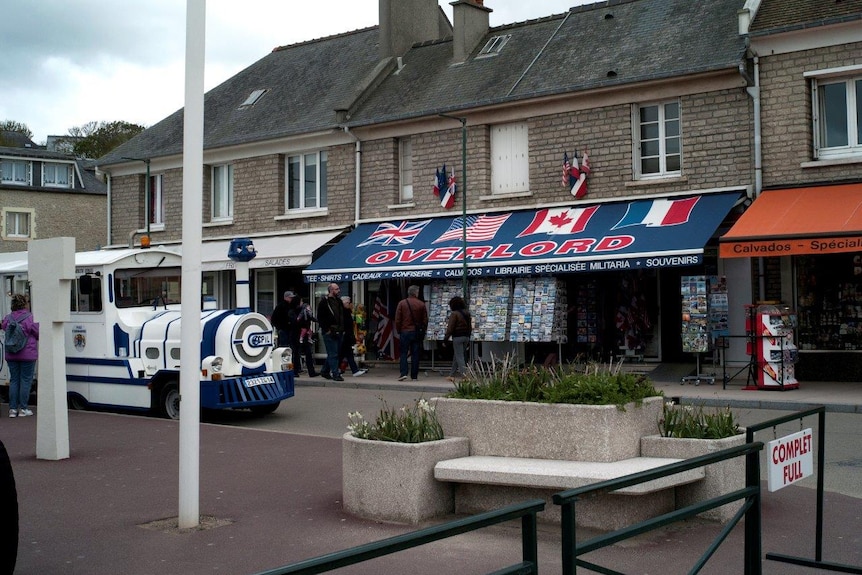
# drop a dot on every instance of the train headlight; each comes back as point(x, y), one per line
point(211, 367)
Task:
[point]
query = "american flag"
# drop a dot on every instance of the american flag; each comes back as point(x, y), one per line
point(479, 228)
point(384, 336)
point(567, 170)
point(401, 233)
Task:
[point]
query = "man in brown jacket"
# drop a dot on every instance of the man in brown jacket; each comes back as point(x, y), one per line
point(411, 321)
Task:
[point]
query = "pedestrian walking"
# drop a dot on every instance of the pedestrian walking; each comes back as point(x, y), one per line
point(458, 329)
point(411, 321)
point(330, 319)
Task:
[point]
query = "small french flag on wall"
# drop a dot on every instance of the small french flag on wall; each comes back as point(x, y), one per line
point(657, 213)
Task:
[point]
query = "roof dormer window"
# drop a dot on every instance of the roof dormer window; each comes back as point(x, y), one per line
point(253, 98)
point(494, 45)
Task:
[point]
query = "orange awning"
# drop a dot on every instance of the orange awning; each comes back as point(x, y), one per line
point(818, 220)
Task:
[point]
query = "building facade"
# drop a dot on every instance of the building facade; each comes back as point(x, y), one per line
point(327, 149)
point(803, 233)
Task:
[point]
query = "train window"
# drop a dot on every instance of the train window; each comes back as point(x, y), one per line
point(152, 353)
point(145, 287)
point(87, 294)
point(175, 353)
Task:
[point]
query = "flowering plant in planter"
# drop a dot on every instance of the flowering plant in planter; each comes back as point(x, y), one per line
point(694, 422)
point(575, 383)
point(415, 424)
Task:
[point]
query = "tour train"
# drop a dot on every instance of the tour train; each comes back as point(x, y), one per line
point(123, 341)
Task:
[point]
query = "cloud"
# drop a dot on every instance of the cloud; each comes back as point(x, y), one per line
point(66, 63)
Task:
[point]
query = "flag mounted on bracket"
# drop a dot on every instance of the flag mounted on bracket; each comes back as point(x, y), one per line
point(445, 188)
point(575, 175)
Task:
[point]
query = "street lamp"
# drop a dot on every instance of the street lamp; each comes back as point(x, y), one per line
point(145, 241)
point(463, 121)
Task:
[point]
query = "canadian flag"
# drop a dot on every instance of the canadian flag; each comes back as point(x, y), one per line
point(559, 221)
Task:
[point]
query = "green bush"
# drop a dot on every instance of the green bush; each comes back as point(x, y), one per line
point(414, 424)
point(694, 422)
point(580, 383)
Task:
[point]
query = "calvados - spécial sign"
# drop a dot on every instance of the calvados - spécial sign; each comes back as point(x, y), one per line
point(790, 458)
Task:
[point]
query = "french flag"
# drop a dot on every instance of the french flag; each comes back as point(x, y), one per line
point(657, 213)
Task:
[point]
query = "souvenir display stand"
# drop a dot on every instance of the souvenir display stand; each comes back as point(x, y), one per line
point(774, 352)
point(704, 320)
point(505, 313)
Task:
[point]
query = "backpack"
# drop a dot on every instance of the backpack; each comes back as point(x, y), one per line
point(16, 339)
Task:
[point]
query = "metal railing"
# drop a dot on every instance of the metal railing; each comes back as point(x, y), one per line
point(572, 549)
point(818, 561)
point(525, 511)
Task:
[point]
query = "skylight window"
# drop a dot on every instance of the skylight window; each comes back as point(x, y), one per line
point(253, 98)
point(494, 45)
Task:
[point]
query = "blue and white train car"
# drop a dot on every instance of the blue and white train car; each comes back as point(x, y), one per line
point(123, 341)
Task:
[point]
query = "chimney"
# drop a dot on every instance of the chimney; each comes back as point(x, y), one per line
point(406, 22)
point(470, 23)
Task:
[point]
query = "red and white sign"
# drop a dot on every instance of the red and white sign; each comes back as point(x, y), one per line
point(790, 458)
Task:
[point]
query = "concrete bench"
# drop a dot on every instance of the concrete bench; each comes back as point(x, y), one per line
point(485, 482)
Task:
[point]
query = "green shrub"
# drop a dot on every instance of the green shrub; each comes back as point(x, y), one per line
point(414, 424)
point(694, 422)
point(581, 383)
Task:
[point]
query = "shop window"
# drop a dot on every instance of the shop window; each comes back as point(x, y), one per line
point(829, 302)
point(658, 150)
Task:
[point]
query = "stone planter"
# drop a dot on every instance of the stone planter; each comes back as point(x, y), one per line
point(721, 478)
point(390, 481)
point(549, 431)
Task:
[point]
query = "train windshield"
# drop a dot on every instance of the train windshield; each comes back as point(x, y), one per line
point(154, 286)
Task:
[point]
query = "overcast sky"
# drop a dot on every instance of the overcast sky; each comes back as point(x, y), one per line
point(68, 62)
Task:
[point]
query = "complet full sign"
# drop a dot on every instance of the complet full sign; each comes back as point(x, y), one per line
point(790, 459)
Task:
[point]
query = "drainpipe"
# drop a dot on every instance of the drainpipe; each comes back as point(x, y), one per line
point(754, 92)
point(108, 231)
point(357, 164)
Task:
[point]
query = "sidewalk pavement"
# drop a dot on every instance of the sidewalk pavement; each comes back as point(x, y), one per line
point(840, 397)
point(268, 499)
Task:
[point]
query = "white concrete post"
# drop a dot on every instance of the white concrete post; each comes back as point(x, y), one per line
point(190, 330)
point(51, 265)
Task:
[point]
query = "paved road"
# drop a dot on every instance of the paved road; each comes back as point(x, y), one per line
point(278, 492)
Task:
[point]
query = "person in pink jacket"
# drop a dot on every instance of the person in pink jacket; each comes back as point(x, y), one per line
point(22, 364)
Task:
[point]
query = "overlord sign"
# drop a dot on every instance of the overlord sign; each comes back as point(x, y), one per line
point(789, 459)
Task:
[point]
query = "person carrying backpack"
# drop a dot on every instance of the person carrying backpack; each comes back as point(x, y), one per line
point(22, 351)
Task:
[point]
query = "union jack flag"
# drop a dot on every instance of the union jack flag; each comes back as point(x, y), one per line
point(384, 336)
point(389, 233)
point(479, 228)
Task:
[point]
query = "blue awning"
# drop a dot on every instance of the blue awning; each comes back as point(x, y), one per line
point(641, 234)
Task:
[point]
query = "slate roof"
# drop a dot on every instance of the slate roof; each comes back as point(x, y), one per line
point(604, 44)
point(775, 16)
point(87, 168)
point(609, 43)
point(306, 82)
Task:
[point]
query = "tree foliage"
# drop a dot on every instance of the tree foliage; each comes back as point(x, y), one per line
point(13, 126)
point(95, 139)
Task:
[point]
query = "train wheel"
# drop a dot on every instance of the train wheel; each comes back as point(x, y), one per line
point(264, 409)
point(76, 402)
point(169, 401)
